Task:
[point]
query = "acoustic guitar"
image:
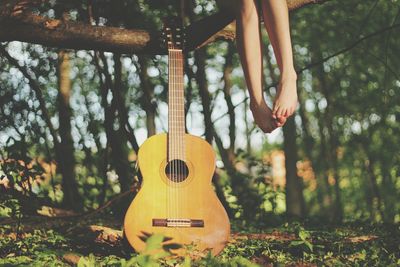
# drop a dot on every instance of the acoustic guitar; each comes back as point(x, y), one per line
point(176, 197)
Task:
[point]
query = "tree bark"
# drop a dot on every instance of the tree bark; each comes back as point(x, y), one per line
point(295, 205)
point(309, 146)
point(118, 99)
point(65, 153)
point(115, 139)
point(29, 27)
point(147, 97)
point(391, 197)
point(227, 94)
point(333, 142)
point(242, 186)
point(102, 153)
point(323, 169)
point(72, 198)
point(200, 59)
point(369, 166)
point(38, 92)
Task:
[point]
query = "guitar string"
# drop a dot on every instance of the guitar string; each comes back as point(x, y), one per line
point(178, 127)
point(176, 136)
point(178, 169)
point(173, 133)
point(168, 137)
point(181, 124)
point(181, 129)
point(182, 111)
point(169, 134)
point(176, 132)
point(173, 144)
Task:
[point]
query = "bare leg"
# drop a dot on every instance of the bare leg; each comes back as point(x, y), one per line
point(276, 19)
point(249, 47)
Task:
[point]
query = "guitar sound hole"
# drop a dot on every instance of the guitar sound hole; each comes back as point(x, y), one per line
point(177, 170)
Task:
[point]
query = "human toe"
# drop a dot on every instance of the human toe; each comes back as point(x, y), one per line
point(280, 112)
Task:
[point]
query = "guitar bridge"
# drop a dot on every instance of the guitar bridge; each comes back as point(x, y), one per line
point(178, 223)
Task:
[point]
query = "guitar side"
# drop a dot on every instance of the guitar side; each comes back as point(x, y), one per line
point(193, 199)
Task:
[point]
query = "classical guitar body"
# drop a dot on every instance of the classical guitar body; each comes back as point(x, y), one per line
point(176, 197)
point(184, 208)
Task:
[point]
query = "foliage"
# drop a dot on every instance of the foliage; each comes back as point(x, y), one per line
point(347, 136)
point(357, 244)
point(347, 122)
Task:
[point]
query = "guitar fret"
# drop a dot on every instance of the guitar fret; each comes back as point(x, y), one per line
point(176, 103)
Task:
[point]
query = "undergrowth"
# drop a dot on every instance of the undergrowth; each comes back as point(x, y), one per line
point(356, 244)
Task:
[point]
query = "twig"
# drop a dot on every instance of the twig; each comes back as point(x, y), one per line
point(83, 214)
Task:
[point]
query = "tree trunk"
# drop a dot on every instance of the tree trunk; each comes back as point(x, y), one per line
point(65, 153)
point(295, 205)
point(369, 165)
point(242, 186)
point(102, 153)
point(309, 148)
point(227, 94)
point(200, 59)
point(247, 127)
point(115, 140)
point(333, 142)
point(118, 102)
point(391, 196)
point(32, 28)
point(147, 97)
point(189, 90)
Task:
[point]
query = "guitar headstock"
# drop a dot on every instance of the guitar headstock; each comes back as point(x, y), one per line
point(173, 33)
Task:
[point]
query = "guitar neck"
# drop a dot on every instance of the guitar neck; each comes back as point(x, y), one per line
point(176, 105)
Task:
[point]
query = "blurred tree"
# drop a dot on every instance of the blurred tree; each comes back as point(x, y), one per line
point(65, 153)
point(346, 130)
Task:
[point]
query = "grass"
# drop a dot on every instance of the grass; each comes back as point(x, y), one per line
point(65, 243)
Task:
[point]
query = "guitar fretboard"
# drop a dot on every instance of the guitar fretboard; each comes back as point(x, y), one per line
point(176, 108)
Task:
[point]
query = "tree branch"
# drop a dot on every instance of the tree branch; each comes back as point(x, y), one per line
point(348, 48)
point(75, 35)
point(325, 59)
point(36, 88)
point(32, 28)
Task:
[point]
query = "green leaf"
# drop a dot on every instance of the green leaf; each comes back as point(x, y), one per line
point(89, 261)
point(304, 235)
point(296, 243)
point(154, 242)
point(187, 262)
point(309, 245)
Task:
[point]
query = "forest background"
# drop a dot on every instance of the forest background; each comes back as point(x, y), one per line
point(78, 97)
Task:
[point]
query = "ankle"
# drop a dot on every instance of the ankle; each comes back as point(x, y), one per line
point(289, 75)
point(256, 100)
point(254, 105)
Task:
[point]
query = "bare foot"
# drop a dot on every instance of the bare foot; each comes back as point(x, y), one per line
point(263, 117)
point(286, 100)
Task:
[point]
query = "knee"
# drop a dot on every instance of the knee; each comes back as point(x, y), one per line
point(246, 9)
